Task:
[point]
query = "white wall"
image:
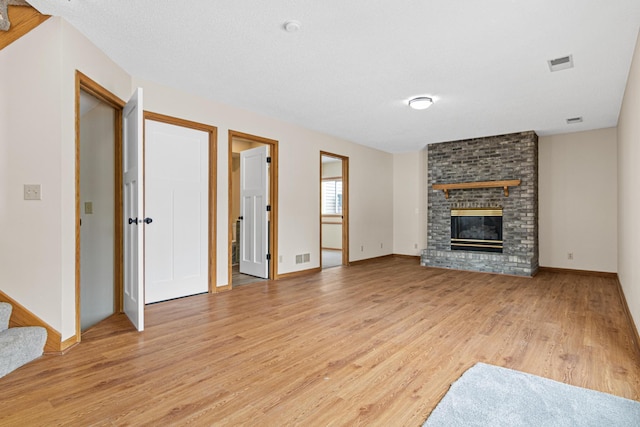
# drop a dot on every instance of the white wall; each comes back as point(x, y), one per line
point(299, 179)
point(629, 190)
point(578, 200)
point(37, 139)
point(37, 145)
point(30, 132)
point(409, 203)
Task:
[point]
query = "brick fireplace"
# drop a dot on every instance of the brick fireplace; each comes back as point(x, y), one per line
point(503, 158)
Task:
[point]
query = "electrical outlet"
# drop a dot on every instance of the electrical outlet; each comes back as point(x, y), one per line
point(570, 255)
point(380, 245)
point(415, 246)
point(32, 192)
point(361, 248)
point(280, 258)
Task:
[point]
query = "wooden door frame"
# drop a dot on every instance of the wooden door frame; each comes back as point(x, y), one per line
point(345, 205)
point(86, 84)
point(212, 131)
point(273, 201)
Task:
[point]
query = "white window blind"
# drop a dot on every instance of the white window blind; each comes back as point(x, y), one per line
point(332, 197)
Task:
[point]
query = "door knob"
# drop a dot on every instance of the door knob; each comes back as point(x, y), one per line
point(148, 220)
point(240, 218)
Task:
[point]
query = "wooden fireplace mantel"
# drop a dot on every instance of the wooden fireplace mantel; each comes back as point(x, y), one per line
point(480, 184)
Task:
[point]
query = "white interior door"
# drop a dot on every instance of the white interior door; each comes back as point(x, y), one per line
point(177, 201)
point(133, 208)
point(254, 196)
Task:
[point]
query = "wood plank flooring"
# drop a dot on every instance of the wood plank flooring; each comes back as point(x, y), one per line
point(373, 344)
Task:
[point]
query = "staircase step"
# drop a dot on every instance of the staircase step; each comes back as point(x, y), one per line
point(5, 315)
point(19, 346)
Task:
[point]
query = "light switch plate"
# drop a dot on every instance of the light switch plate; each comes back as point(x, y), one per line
point(32, 192)
point(88, 207)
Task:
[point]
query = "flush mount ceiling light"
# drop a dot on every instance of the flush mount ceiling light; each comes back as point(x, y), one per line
point(420, 102)
point(292, 26)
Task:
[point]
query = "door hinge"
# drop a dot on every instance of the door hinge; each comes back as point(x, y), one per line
point(268, 159)
point(268, 257)
point(268, 208)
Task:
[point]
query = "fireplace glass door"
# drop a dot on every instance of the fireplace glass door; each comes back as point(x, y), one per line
point(478, 229)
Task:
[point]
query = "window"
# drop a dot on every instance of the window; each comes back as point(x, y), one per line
point(332, 196)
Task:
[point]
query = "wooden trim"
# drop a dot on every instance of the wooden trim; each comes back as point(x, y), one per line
point(331, 249)
point(150, 115)
point(68, 344)
point(580, 272)
point(370, 260)
point(93, 88)
point(345, 205)
point(300, 273)
point(330, 223)
point(412, 257)
point(332, 178)
point(23, 19)
point(118, 184)
point(273, 199)
point(480, 184)
point(86, 84)
point(212, 131)
point(77, 208)
point(223, 288)
point(345, 211)
point(625, 306)
point(20, 316)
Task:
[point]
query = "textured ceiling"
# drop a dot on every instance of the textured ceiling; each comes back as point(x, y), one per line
point(353, 65)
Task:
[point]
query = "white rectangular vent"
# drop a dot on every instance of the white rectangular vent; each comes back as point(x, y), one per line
point(302, 258)
point(574, 120)
point(562, 63)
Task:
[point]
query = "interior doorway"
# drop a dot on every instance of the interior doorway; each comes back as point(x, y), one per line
point(97, 200)
point(253, 208)
point(98, 209)
point(334, 210)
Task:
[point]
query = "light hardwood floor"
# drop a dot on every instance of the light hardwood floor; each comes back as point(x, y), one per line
point(372, 344)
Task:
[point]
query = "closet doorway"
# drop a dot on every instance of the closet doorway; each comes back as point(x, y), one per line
point(334, 210)
point(98, 207)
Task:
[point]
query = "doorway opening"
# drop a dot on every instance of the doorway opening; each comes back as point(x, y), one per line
point(253, 208)
point(334, 210)
point(98, 208)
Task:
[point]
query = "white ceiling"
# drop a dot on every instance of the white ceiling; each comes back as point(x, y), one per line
point(353, 65)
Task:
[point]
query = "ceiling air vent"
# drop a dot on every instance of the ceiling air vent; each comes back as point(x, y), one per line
point(574, 120)
point(562, 63)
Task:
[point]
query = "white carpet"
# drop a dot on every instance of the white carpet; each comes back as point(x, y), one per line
point(487, 395)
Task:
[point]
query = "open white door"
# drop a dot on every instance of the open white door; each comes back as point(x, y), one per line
point(133, 208)
point(254, 196)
